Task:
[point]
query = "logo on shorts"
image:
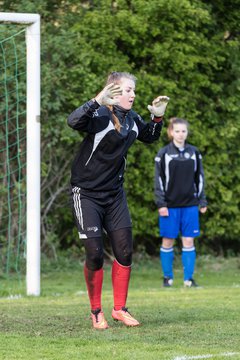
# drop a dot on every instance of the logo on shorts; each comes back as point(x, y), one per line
point(82, 236)
point(92, 228)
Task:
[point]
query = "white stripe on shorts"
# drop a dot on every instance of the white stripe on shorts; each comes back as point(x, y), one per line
point(77, 205)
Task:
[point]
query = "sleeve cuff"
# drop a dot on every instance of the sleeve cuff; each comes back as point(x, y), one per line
point(93, 103)
point(161, 205)
point(156, 119)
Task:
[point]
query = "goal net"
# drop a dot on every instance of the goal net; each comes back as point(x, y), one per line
point(20, 147)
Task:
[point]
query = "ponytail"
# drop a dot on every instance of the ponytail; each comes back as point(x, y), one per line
point(115, 119)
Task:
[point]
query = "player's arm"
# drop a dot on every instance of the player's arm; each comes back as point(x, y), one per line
point(148, 132)
point(200, 183)
point(80, 119)
point(159, 181)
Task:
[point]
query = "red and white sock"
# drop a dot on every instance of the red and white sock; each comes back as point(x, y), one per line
point(120, 283)
point(94, 281)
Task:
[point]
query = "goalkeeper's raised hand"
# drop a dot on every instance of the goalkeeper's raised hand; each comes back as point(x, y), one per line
point(108, 95)
point(158, 106)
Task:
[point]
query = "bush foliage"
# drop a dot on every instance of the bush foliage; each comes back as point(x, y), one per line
point(188, 50)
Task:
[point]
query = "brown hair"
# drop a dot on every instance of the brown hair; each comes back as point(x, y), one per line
point(116, 77)
point(172, 122)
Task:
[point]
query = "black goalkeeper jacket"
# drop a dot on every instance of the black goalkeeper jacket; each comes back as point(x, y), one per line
point(100, 163)
point(179, 177)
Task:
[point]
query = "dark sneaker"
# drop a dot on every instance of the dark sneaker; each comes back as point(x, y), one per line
point(167, 282)
point(190, 283)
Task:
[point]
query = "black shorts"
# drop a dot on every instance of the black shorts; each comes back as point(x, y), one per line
point(94, 212)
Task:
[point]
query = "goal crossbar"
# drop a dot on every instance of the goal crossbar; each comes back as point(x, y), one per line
point(32, 22)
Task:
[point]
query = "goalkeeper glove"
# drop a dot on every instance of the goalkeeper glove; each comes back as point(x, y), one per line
point(106, 96)
point(158, 106)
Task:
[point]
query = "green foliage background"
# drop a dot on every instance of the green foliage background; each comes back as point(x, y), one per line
point(188, 50)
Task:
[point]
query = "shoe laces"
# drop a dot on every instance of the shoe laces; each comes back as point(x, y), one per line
point(96, 313)
point(125, 310)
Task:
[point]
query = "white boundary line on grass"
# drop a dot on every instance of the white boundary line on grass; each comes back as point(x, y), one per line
point(208, 356)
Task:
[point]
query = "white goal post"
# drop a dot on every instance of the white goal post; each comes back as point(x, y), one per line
point(32, 22)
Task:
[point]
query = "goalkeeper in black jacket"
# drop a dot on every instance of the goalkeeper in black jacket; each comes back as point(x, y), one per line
point(179, 193)
point(99, 201)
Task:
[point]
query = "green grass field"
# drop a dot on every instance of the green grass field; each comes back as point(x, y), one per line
point(177, 323)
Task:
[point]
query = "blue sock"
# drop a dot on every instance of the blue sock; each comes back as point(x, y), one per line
point(188, 262)
point(167, 257)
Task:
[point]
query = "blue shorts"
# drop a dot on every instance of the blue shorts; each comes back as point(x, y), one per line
point(184, 220)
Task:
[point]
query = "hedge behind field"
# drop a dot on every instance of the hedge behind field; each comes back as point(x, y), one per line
point(188, 50)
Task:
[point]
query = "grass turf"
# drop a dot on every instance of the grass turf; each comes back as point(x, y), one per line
point(177, 323)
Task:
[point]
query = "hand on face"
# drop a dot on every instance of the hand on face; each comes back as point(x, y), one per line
point(109, 95)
